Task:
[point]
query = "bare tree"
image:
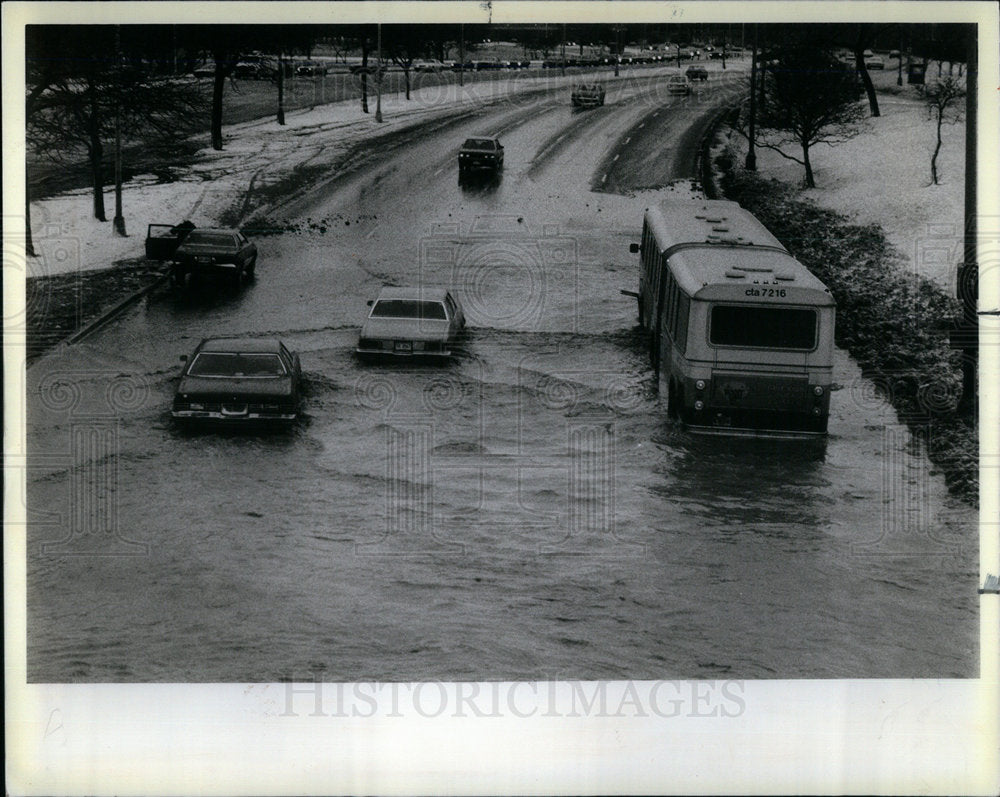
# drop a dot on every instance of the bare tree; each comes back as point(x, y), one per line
point(942, 105)
point(810, 99)
point(71, 105)
point(403, 43)
point(862, 40)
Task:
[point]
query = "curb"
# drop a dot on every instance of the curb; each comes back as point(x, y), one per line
point(108, 315)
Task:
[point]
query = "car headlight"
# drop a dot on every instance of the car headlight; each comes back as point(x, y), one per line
point(700, 384)
point(818, 390)
point(699, 405)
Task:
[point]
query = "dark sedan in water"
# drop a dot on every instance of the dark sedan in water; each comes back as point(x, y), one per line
point(234, 380)
point(214, 251)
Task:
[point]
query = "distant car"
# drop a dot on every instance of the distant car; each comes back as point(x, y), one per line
point(207, 250)
point(238, 380)
point(697, 73)
point(255, 68)
point(205, 69)
point(426, 65)
point(678, 84)
point(481, 153)
point(894, 53)
point(311, 69)
point(588, 94)
point(411, 322)
point(874, 63)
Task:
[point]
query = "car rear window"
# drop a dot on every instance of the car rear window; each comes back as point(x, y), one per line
point(206, 238)
point(479, 143)
point(763, 327)
point(408, 308)
point(214, 363)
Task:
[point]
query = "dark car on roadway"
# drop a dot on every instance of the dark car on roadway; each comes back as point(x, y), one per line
point(480, 153)
point(411, 322)
point(207, 250)
point(239, 380)
point(587, 94)
point(678, 84)
point(695, 72)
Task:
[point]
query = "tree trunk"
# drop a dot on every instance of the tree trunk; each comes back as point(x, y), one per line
point(406, 74)
point(364, 76)
point(810, 182)
point(866, 79)
point(937, 148)
point(218, 86)
point(29, 245)
point(96, 152)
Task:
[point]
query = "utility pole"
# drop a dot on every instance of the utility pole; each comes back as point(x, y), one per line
point(281, 88)
point(562, 69)
point(119, 220)
point(965, 335)
point(461, 54)
point(751, 163)
point(899, 61)
point(618, 47)
point(378, 77)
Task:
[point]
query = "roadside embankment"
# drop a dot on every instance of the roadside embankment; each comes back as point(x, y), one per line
point(888, 318)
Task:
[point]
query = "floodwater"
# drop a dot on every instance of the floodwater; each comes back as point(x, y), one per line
point(525, 511)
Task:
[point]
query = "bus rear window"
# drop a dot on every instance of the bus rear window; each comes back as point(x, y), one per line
point(763, 327)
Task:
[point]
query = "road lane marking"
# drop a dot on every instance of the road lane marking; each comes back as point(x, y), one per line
point(643, 124)
point(617, 157)
point(628, 139)
point(604, 178)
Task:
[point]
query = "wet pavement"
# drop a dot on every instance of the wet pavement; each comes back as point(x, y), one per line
point(526, 511)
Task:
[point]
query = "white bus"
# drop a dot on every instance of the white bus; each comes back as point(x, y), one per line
point(740, 332)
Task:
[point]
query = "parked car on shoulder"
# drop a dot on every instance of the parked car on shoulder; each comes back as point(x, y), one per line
point(411, 322)
point(695, 72)
point(678, 84)
point(874, 63)
point(480, 153)
point(587, 94)
point(217, 252)
point(239, 380)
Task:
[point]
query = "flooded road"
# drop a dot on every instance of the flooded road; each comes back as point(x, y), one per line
point(524, 512)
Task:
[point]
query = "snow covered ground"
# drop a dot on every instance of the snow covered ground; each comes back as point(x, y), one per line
point(882, 176)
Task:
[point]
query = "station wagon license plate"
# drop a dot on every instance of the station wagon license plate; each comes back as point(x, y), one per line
point(403, 345)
